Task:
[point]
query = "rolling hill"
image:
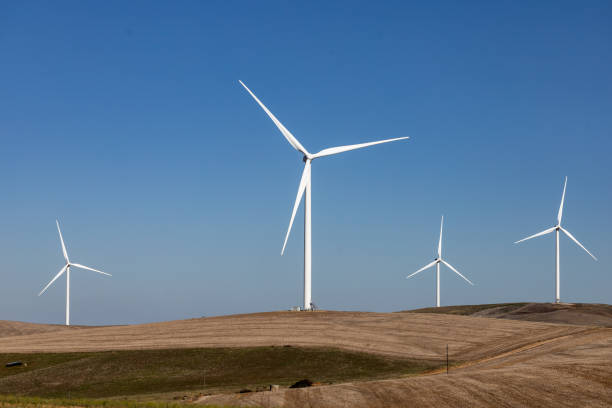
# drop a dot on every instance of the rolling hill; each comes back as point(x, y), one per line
point(501, 355)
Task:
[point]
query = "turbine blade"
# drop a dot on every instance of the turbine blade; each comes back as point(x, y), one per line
point(301, 188)
point(548, 231)
point(340, 149)
point(578, 243)
point(54, 279)
point(62, 241)
point(422, 269)
point(290, 138)
point(89, 269)
point(440, 243)
point(560, 214)
point(456, 271)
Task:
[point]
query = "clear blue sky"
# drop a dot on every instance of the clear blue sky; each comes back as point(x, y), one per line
point(126, 121)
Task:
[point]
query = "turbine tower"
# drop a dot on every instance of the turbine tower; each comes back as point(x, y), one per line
point(556, 229)
point(66, 269)
point(437, 262)
point(305, 190)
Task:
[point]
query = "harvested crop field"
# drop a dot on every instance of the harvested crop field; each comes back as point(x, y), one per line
point(9, 329)
point(583, 314)
point(571, 371)
point(500, 362)
point(407, 335)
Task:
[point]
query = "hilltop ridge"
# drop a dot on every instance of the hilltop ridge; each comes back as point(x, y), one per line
point(582, 314)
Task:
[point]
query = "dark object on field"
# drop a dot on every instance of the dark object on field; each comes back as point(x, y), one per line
point(14, 364)
point(302, 384)
point(244, 391)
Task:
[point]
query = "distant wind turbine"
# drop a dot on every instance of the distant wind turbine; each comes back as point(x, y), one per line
point(305, 186)
point(437, 262)
point(558, 228)
point(66, 269)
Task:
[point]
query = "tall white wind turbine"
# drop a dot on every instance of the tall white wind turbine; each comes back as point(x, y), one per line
point(66, 269)
point(437, 263)
point(556, 229)
point(305, 187)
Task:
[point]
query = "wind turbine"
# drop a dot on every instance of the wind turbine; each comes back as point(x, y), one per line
point(305, 187)
point(437, 262)
point(556, 229)
point(66, 269)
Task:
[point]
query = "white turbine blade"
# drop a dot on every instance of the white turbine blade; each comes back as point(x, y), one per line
point(89, 269)
point(340, 149)
point(560, 214)
point(290, 138)
point(440, 243)
point(456, 271)
point(548, 231)
point(301, 188)
point(53, 280)
point(578, 243)
point(62, 241)
point(422, 269)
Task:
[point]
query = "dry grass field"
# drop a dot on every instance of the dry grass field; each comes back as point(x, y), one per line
point(410, 335)
point(583, 314)
point(500, 362)
point(9, 329)
point(572, 371)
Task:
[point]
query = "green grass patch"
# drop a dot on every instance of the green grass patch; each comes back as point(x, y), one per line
point(139, 372)
point(27, 402)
